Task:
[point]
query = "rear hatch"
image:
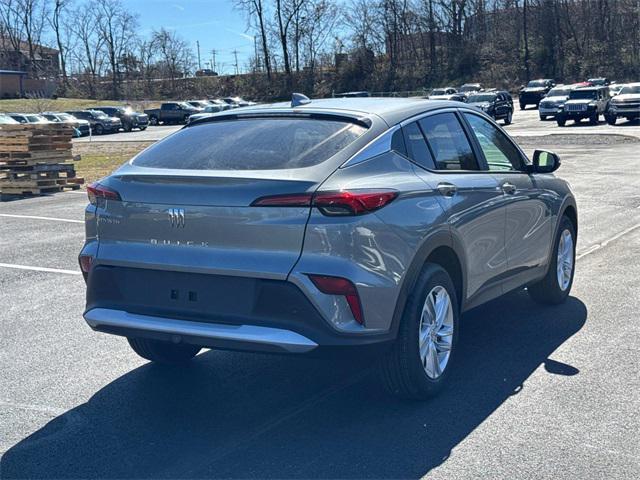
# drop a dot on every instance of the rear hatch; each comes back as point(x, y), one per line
point(185, 204)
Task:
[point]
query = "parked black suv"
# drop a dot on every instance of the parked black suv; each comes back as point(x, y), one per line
point(586, 102)
point(535, 91)
point(130, 118)
point(497, 104)
point(100, 122)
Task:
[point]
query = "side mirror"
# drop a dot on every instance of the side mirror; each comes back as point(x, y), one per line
point(545, 161)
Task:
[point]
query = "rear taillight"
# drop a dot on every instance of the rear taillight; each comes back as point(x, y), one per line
point(96, 192)
point(352, 202)
point(344, 202)
point(340, 286)
point(86, 261)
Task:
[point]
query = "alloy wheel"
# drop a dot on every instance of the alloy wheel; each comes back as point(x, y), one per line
point(564, 262)
point(435, 334)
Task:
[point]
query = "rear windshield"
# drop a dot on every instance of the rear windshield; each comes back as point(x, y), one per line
point(536, 83)
point(251, 144)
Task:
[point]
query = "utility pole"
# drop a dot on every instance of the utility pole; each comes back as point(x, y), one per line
point(198, 45)
point(235, 54)
point(255, 52)
point(213, 59)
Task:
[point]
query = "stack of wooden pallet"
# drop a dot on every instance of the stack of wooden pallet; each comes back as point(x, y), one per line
point(34, 159)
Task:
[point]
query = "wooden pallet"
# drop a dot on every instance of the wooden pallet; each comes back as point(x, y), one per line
point(33, 159)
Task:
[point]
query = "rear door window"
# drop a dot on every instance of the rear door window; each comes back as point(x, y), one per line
point(417, 149)
point(448, 141)
point(251, 144)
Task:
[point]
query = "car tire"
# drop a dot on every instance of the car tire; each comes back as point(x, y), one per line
point(165, 353)
point(593, 119)
point(561, 122)
point(185, 119)
point(509, 118)
point(142, 129)
point(405, 367)
point(611, 119)
point(543, 117)
point(99, 129)
point(522, 106)
point(127, 127)
point(153, 120)
point(556, 285)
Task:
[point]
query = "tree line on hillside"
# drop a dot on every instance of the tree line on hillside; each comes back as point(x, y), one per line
point(325, 46)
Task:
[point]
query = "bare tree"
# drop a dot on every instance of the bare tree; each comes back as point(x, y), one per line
point(255, 10)
point(286, 11)
point(116, 26)
point(90, 54)
point(58, 23)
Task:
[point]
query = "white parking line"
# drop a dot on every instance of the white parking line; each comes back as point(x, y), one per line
point(41, 269)
point(33, 217)
point(606, 242)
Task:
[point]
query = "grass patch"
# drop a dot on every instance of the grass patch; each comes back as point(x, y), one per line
point(37, 105)
point(99, 159)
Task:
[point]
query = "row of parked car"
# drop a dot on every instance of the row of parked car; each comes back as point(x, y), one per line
point(590, 100)
point(495, 103)
point(100, 120)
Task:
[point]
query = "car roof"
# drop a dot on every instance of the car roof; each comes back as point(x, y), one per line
point(391, 110)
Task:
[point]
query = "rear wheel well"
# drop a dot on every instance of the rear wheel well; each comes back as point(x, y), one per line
point(446, 258)
point(572, 215)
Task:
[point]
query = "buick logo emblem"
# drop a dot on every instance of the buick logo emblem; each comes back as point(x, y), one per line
point(176, 217)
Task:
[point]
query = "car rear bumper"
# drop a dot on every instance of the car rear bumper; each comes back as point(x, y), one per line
point(250, 337)
point(215, 311)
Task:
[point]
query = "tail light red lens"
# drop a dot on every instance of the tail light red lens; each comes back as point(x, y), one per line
point(345, 202)
point(95, 192)
point(343, 287)
point(85, 264)
point(352, 202)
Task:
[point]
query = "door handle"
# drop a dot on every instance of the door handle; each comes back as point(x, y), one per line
point(509, 188)
point(447, 189)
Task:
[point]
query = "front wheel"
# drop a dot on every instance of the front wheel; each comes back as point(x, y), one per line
point(593, 119)
point(611, 119)
point(99, 129)
point(153, 120)
point(163, 352)
point(522, 106)
point(556, 285)
point(543, 117)
point(509, 118)
point(419, 362)
point(561, 122)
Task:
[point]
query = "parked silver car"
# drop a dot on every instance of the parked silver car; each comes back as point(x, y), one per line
point(553, 102)
point(324, 224)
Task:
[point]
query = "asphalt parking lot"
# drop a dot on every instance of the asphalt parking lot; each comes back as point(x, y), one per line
point(538, 392)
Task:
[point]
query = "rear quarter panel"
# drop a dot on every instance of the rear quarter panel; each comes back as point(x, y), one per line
point(376, 250)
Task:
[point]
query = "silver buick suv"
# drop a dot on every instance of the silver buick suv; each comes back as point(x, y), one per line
point(324, 225)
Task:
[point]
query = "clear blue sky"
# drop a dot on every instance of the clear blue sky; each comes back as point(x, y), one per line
point(215, 23)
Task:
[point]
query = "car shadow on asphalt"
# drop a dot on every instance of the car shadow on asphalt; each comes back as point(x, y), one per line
point(251, 415)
